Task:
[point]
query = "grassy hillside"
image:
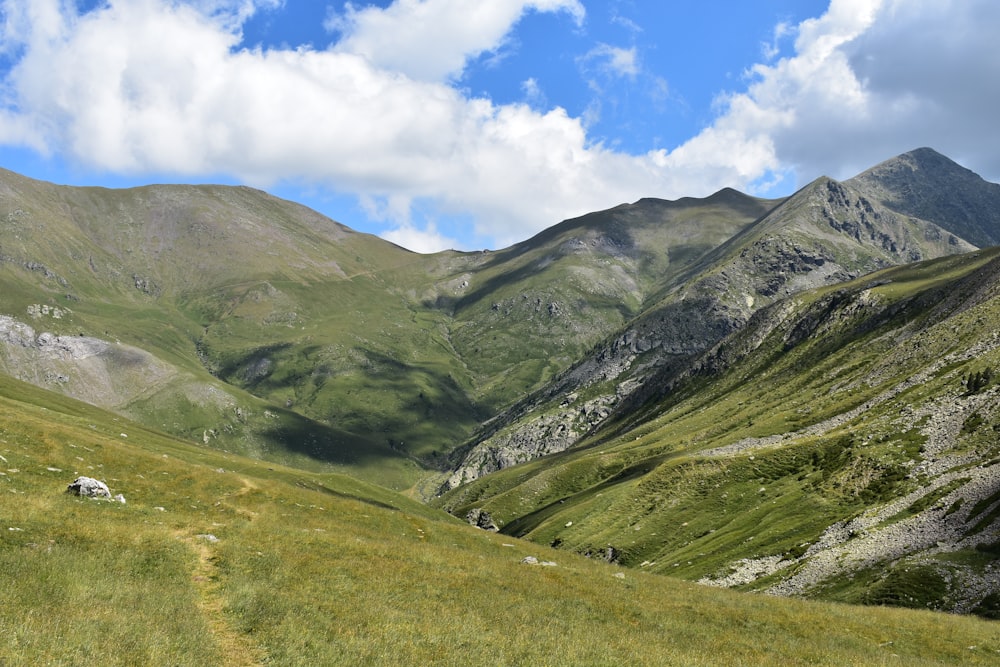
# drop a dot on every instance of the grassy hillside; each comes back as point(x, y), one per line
point(842, 445)
point(220, 560)
point(235, 305)
point(252, 324)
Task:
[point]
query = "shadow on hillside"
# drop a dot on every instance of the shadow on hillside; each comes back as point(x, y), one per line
point(297, 434)
point(320, 488)
point(527, 523)
point(393, 410)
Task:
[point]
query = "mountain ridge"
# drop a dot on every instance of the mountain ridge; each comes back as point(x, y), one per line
point(825, 233)
point(839, 446)
point(250, 296)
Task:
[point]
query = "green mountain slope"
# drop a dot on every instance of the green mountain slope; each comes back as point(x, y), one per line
point(826, 233)
point(251, 324)
point(216, 559)
point(533, 309)
point(841, 445)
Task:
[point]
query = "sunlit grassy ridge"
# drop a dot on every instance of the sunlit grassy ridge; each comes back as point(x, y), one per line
point(220, 560)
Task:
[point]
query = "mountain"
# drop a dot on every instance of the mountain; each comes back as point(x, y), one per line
point(252, 324)
point(841, 445)
point(794, 395)
point(230, 317)
point(147, 301)
point(826, 233)
point(247, 323)
point(925, 184)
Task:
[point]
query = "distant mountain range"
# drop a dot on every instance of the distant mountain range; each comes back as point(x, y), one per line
point(676, 363)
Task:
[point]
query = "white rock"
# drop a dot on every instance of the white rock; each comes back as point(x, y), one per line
point(89, 487)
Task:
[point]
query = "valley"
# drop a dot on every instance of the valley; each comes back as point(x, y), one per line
point(793, 397)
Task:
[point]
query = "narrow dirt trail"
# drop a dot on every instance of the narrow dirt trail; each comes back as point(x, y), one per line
point(236, 649)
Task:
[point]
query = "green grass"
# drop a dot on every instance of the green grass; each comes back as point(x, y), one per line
point(400, 354)
point(390, 359)
point(305, 568)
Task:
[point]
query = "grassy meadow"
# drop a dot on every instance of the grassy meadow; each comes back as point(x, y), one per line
point(221, 560)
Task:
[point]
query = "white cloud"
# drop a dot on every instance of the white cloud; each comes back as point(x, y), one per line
point(771, 50)
point(613, 60)
point(626, 23)
point(431, 40)
point(424, 240)
point(162, 86)
point(602, 67)
point(873, 78)
point(534, 96)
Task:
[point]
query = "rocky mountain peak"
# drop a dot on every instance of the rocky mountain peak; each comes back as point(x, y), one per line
point(927, 185)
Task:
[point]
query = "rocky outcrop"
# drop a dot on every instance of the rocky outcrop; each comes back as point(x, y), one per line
point(480, 518)
point(545, 434)
point(89, 487)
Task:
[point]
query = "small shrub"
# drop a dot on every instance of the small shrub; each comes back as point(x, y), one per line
point(992, 548)
point(989, 607)
point(972, 423)
point(973, 383)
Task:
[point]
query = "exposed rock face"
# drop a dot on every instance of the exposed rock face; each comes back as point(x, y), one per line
point(98, 371)
point(927, 185)
point(480, 518)
point(89, 488)
point(546, 434)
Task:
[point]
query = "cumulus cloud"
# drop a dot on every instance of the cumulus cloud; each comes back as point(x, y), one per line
point(425, 240)
point(873, 78)
point(432, 39)
point(164, 86)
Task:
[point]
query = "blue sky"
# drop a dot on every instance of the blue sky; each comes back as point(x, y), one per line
point(477, 123)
